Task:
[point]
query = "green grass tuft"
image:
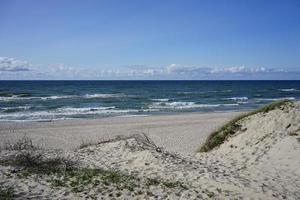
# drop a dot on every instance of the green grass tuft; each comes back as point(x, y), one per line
point(152, 181)
point(78, 179)
point(6, 193)
point(217, 137)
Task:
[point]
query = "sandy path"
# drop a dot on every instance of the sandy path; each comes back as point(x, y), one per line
point(179, 132)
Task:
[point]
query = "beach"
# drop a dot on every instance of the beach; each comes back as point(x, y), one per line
point(253, 156)
point(182, 133)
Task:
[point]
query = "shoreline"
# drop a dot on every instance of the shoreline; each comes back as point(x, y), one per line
point(177, 132)
point(126, 116)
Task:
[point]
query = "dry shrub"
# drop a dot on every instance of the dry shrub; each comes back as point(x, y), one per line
point(23, 153)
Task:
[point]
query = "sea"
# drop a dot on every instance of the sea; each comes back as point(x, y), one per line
point(62, 100)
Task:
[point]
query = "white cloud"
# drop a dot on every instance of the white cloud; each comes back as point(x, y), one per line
point(240, 69)
point(13, 65)
point(10, 66)
point(172, 68)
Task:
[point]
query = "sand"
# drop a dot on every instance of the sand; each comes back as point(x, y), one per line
point(260, 161)
point(181, 133)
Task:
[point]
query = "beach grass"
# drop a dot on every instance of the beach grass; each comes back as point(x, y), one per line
point(31, 160)
point(6, 193)
point(34, 158)
point(217, 137)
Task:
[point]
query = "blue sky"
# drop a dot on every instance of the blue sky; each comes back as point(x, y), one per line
point(149, 39)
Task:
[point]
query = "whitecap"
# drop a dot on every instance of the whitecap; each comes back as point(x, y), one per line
point(230, 104)
point(17, 107)
point(180, 105)
point(90, 96)
point(276, 99)
point(56, 97)
point(163, 100)
point(63, 112)
point(16, 97)
point(289, 90)
point(236, 98)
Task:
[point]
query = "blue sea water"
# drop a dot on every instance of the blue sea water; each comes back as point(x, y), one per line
point(54, 100)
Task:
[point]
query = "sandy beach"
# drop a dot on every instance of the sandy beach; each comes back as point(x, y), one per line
point(259, 159)
point(182, 133)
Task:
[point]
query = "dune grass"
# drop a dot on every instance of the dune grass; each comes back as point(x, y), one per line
point(28, 160)
point(217, 137)
point(6, 193)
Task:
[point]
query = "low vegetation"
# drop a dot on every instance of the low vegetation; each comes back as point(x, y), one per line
point(30, 160)
point(34, 158)
point(220, 135)
point(80, 178)
point(143, 141)
point(6, 193)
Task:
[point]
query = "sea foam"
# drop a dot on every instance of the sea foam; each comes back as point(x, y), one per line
point(289, 90)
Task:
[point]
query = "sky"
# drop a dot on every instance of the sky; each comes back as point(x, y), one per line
point(149, 39)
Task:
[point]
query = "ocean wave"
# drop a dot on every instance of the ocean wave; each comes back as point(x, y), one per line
point(242, 102)
point(185, 105)
point(54, 97)
point(92, 110)
point(91, 96)
point(19, 94)
point(186, 93)
point(16, 97)
point(289, 90)
point(230, 104)
point(226, 90)
point(276, 99)
point(14, 109)
point(12, 98)
point(83, 110)
point(150, 110)
point(163, 100)
point(63, 112)
point(236, 98)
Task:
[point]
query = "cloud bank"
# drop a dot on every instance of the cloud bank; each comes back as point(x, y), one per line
point(13, 65)
point(11, 68)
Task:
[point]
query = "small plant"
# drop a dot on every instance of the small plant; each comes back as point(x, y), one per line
point(6, 193)
point(57, 182)
point(24, 143)
point(23, 174)
point(35, 159)
point(152, 181)
point(170, 184)
point(86, 144)
point(293, 134)
point(209, 194)
point(143, 141)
